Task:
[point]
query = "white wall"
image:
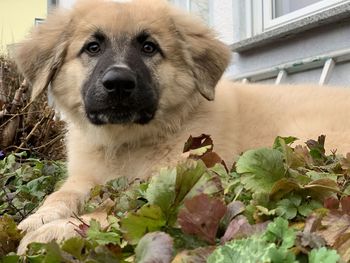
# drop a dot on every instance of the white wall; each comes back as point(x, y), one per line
point(66, 3)
point(222, 19)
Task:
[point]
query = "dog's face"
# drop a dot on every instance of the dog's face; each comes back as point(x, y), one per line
point(123, 63)
point(121, 84)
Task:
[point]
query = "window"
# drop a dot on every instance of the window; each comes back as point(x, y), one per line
point(280, 12)
point(198, 7)
point(283, 7)
point(218, 14)
point(52, 4)
point(38, 21)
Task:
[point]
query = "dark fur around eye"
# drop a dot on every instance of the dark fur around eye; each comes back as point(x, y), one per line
point(149, 48)
point(93, 48)
point(95, 45)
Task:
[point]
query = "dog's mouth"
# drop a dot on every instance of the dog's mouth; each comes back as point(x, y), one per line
point(119, 116)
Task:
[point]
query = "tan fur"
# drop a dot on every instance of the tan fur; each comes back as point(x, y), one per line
point(240, 117)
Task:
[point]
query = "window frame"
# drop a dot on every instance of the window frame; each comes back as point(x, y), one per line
point(269, 22)
point(38, 21)
point(186, 4)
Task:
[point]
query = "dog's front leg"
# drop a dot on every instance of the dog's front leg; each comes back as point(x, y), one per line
point(61, 204)
point(62, 229)
point(84, 173)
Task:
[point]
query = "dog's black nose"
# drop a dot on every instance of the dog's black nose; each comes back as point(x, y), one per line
point(119, 80)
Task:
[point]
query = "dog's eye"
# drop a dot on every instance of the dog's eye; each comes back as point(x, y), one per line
point(93, 48)
point(149, 48)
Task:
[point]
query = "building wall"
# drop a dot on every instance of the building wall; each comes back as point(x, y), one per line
point(311, 43)
point(16, 19)
point(222, 19)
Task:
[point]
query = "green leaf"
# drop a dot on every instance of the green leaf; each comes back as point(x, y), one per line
point(74, 246)
point(281, 255)
point(9, 235)
point(11, 258)
point(96, 234)
point(45, 253)
point(185, 241)
point(278, 232)
point(242, 251)
point(148, 218)
point(261, 169)
point(307, 207)
point(323, 255)
point(317, 150)
point(288, 208)
point(281, 141)
point(193, 178)
point(291, 158)
point(161, 191)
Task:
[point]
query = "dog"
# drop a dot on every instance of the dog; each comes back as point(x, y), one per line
point(134, 80)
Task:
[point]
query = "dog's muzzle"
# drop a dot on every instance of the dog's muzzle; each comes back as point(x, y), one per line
point(118, 98)
point(119, 82)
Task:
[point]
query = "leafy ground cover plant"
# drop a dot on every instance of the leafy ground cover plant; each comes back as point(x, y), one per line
point(278, 204)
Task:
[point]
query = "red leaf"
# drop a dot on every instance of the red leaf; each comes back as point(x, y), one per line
point(81, 229)
point(234, 209)
point(240, 228)
point(345, 204)
point(331, 203)
point(201, 217)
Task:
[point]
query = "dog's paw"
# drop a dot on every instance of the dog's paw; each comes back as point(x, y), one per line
point(55, 230)
point(60, 229)
point(42, 217)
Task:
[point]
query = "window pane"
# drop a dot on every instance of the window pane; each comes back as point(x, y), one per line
point(201, 8)
point(283, 7)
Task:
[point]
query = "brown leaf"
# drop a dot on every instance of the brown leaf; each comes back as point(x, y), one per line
point(317, 145)
point(322, 188)
point(303, 153)
point(212, 158)
point(312, 223)
point(345, 204)
point(283, 187)
point(312, 240)
point(308, 237)
point(154, 247)
point(197, 142)
point(201, 217)
point(202, 148)
point(9, 132)
point(336, 224)
point(198, 255)
point(331, 203)
point(238, 228)
point(233, 209)
point(345, 162)
point(342, 245)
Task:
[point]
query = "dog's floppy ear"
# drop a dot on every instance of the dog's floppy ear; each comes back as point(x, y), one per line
point(209, 55)
point(41, 55)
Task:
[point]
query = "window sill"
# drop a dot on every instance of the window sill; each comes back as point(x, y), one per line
point(329, 16)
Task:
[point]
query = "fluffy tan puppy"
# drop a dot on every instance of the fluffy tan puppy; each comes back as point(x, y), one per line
point(134, 80)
